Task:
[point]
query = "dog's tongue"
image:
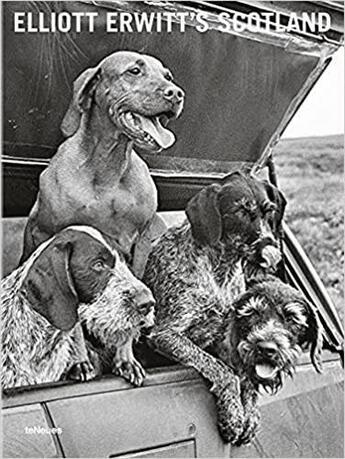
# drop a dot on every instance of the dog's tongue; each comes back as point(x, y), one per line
point(265, 371)
point(161, 135)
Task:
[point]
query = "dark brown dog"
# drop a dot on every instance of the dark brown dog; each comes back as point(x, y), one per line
point(73, 278)
point(243, 215)
point(96, 178)
point(196, 271)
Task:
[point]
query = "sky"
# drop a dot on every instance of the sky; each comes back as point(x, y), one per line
point(322, 112)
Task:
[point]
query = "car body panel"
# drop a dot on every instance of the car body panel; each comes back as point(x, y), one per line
point(174, 414)
point(20, 439)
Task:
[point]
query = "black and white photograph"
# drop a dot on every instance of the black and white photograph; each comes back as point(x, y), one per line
point(172, 229)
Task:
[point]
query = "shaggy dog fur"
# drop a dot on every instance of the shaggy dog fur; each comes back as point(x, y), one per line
point(196, 271)
point(74, 272)
point(261, 338)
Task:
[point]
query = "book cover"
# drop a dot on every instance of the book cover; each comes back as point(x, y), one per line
point(116, 114)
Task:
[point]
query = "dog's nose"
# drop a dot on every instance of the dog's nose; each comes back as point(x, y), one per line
point(271, 256)
point(267, 348)
point(173, 93)
point(145, 301)
point(268, 252)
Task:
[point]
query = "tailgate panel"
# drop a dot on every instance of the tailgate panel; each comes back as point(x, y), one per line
point(134, 420)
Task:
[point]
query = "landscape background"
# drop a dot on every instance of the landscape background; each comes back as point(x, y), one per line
point(310, 173)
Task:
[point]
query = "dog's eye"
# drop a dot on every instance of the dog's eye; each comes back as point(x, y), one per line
point(168, 77)
point(247, 209)
point(250, 307)
point(301, 321)
point(242, 212)
point(99, 265)
point(247, 214)
point(134, 71)
point(294, 314)
point(244, 312)
point(269, 208)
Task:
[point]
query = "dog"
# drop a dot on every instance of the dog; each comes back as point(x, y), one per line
point(96, 178)
point(196, 270)
point(261, 338)
point(73, 278)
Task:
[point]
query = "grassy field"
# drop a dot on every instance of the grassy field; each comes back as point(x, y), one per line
point(310, 172)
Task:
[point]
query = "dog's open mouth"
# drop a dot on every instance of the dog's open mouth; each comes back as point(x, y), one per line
point(265, 371)
point(148, 133)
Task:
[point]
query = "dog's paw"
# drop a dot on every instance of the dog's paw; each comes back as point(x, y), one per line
point(251, 425)
point(230, 415)
point(130, 370)
point(81, 371)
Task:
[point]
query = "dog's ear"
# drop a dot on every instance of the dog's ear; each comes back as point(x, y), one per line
point(83, 89)
point(315, 337)
point(48, 286)
point(204, 216)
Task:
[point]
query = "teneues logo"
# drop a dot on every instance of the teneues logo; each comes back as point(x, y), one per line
point(40, 430)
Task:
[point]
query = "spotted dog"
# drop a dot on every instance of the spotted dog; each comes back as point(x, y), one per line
point(73, 278)
point(196, 271)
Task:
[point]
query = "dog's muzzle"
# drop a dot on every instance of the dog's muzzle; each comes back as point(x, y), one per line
point(271, 256)
point(149, 132)
point(145, 306)
point(268, 253)
point(263, 360)
point(266, 367)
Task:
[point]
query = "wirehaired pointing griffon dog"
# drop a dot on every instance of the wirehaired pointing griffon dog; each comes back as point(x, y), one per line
point(74, 277)
point(196, 271)
point(262, 337)
point(96, 178)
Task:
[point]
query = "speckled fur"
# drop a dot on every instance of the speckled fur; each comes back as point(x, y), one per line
point(33, 351)
point(194, 288)
point(198, 292)
point(197, 270)
point(114, 322)
point(181, 273)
